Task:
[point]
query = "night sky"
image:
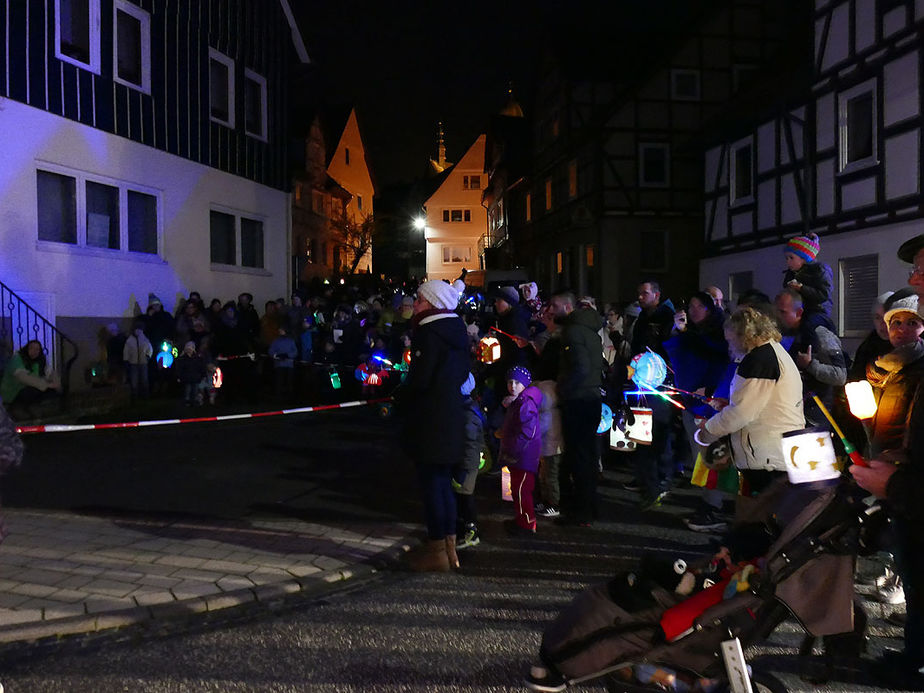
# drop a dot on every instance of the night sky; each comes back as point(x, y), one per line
point(407, 65)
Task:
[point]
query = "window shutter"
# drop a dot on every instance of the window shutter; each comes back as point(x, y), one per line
point(859, 287)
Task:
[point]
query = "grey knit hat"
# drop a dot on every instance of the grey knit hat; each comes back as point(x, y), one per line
point(908, 304)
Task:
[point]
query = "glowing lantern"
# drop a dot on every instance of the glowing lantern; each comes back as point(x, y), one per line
point(860, 399)
point(809, 455)
point(625, 437)
point(335, 379)
point(506, 489)
point(606, 419)
point(406, 357)
point(217, 378)
point(489, 349)
point(165, 356)
point(648, 370)
point(373, 379)
point(360, 373)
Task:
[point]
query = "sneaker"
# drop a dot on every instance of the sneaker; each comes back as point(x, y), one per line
point(633, 486)
point(468, 537)
point(705, 521)
point(543, 679)
point(548, 511)
point(891, 592)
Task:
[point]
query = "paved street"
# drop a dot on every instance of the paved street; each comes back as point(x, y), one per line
point(229, 545)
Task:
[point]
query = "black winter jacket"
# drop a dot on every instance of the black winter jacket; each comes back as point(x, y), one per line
point(580, 374)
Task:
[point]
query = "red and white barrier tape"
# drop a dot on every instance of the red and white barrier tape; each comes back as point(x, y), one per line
point(69, 428)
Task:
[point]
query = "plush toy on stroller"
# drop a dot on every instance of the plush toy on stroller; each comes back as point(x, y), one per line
point(673, 627)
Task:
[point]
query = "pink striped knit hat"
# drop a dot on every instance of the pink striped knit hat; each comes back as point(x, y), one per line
point(806, 247)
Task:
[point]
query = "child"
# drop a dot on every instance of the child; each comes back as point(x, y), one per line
point(465, 475)
point(521, 443)
point(812, 279)
point(136, 353)
point(550, 460)
point(190, 372)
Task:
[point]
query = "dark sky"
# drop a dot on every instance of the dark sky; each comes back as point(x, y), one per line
point(407, 65)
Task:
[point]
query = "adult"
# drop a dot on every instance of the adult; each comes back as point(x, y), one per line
point(654, 322)
point(817, 351)
point(875, 344)
point(579, 400)
point(765, 399)
point(136, 353)
point(158, 328)
point(249, 320)
point(699, 356)
point(900, 484)
point(434, 416)
point(27, 378)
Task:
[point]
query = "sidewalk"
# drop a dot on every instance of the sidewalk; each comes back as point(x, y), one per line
point(65, 573)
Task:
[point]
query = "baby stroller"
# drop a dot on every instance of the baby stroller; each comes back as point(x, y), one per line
point(643, 636)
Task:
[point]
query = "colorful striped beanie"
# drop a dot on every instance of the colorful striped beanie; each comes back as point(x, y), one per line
point(806, 247)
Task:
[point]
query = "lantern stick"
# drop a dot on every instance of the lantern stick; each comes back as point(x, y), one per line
point(851, 451)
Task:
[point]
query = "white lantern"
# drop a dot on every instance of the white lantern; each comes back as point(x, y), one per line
point(809, 455)
point(860, 399)
point(638, 433)
point(506, 488)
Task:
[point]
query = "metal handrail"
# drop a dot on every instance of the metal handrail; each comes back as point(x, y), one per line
point(21, 323)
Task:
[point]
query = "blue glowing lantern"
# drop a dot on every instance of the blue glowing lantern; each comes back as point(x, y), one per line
point(166, 355)
point(648, 370)
point(606, 419)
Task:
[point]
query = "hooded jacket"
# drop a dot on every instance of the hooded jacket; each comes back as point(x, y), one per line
point(580, 373)
point(765, 402)
point(521, 434)
point(431, 399)
point(895, 378)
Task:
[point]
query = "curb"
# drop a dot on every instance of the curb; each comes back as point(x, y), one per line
point(272, 593)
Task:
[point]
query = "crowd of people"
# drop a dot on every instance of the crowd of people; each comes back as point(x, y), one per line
point(743, 376)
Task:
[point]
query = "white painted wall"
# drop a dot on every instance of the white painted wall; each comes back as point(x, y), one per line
point(451, 195)
point(96, 282)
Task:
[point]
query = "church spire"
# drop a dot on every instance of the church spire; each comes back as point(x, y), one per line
point(441, 149)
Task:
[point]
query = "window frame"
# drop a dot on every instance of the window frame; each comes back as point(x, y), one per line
point(666, 148)
point(95, 13)
point(215, 54)
point(238, 215)
point(144, 18)
point(842, 298)
point(680, 71)
point(734, 199)
point(733, 292)
point(263, 136)
point(870, 86)
point(81, 246)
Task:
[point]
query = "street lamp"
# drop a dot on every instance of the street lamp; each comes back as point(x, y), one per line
point(420, 223)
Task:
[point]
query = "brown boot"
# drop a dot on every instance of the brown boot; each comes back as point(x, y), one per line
point(451, 551)
point(430, 557)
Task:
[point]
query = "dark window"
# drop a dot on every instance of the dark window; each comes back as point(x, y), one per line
point(445, 215)
point(57, 207)
point(219, 78)
point(654, 165)
point(253, 107)
point(102, 216)
point(468, 215)
point(742, 173)
point(738, 283)
point(359, 202)
point(75, 29)
point(860, 127)
point(222, 234)
point(456, 215)
point(142, 223)
point(346, 156)
point(251, 243)
point(128, 60)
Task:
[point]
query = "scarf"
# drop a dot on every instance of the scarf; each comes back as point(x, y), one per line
point(415, 321)
point(886, 367)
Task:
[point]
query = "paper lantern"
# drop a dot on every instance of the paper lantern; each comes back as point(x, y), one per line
point(506, 489)
point(217, 378)
point(809, 455)
point(606, 419)
point(634, 434)
point(335, 380)
point(373, 379)
point(165, 356)
point(648, 370)
point(860, 399)
point(489, 349)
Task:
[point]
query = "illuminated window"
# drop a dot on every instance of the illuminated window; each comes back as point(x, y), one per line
point(77, 37)
point(590, 255)
point(685, 85)
point(741, 170)
point(235, 239)
point(132, 46)
point(548, 194)
point(457, 215)
point(455, 254)
point(255, 105)
point(99, 214)
point(558, 263)
point(654, 165)
point(529, 207)
point(221, 88)
point(857, 127)
point(572, 179)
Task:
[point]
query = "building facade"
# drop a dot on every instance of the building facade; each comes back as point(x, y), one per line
point(845, 163)
point(145, 151)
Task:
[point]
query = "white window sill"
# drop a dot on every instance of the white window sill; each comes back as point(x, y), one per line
point(258, 137)
point(860, 165)
point(226, 123)
point(143, 88)
point(106, 253)
point(237, 269)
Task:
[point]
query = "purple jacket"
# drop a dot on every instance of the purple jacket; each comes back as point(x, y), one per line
point(521, 437)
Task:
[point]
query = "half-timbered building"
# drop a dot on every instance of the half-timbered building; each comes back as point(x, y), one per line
point(840, 157)
point(144, 151)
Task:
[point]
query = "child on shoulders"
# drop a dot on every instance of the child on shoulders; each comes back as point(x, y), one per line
point(811, 278)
